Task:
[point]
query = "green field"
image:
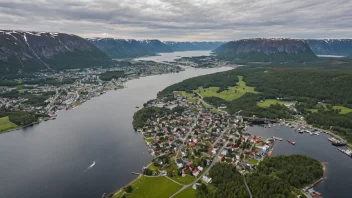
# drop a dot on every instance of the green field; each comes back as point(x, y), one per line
point(267, 103)
point(344, 110)
point(253, 161)
point(156, 187)
point(184, 180)
point(6, 125)
point(190, 96)
point(232, 93)
point(187, 193)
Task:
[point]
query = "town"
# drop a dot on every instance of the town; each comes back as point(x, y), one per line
point(186, 140)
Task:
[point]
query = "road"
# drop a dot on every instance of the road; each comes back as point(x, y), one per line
point(201, 99)
point(190, 130)
point(215, 159)
point(211, 165)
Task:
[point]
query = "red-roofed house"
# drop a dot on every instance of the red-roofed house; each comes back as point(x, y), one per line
point(195, 172)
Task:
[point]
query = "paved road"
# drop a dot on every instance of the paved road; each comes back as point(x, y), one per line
point(215, 159)
point(245, 183)
point(190, 130)
point(201, 99)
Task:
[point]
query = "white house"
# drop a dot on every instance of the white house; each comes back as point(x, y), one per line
point(206, 179)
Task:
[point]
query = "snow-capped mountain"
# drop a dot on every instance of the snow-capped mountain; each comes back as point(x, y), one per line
point(129, 48)
point(263, 49)
point(24, 51)
point(341, 47)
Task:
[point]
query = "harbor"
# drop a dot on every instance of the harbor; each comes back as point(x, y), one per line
point(337, 163)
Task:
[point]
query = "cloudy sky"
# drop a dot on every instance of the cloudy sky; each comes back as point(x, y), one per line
point(182, 19)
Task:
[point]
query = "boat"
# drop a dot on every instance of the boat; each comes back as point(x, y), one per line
point(277, 138)
point(348, 152)
point(336, 142)
point(300, 131)
point(137, 107)
point(291, 142)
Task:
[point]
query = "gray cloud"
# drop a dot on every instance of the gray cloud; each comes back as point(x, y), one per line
point(182, 19)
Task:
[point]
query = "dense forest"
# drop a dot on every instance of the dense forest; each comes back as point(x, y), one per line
point(297, 170)
point(275, 177)
point(228, 182)
point(20, 118)
point(109, 75)
point(221, 79)
point(269, 187)
point(339, 123)
point(333, 87)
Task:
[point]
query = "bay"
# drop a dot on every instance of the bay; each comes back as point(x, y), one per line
point(87, 151)
point(338, 175)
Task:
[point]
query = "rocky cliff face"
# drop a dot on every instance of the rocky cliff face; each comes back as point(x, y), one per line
point(341, 47)
point(266, 50)
point(192, 46)
point(33, 51)
point(122, 48)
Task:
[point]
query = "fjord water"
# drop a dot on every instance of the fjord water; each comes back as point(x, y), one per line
point(87, 151)
point(339, 166)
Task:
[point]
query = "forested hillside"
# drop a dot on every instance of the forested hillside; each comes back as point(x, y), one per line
point(280, 176)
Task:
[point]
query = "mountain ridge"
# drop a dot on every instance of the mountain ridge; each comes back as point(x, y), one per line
point(266, 50)
point(29, 51)
point(340, 47)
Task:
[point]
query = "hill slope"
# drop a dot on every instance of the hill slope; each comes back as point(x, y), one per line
point(192, 46)
point(33, 51)
point(121, 48)
point(266, 50)
point(341, 47)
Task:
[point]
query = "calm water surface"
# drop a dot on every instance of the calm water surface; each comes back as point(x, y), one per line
point(174, 55)
point(53, 159)
point(338, 183)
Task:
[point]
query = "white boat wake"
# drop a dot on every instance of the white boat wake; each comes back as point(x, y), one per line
point(91, 166)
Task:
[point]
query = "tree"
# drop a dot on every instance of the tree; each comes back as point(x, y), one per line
point(241, 156)
point(128, 189)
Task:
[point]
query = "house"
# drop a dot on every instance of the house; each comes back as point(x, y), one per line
point(195, 172)
point(195, 186)
point(200, 168)
point(207, 179)
point(179, 163)
point(189, 163)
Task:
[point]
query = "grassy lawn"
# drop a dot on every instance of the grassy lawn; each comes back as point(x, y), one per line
point(232, 93)
point(184, 180)
point(153, 167)
point(188, 192)
point(149, 140)
point(267, 103)
point(344, 110)
point(190, 96)
point(156, 187)
point(313, 110)
point(252, 161)
point(5, 124)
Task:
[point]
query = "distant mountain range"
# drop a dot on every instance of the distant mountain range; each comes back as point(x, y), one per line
point(130, 48)
point(27, 51)
point(33, 51)
point(341, 47)
point(266, 50)
point(192, 46)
